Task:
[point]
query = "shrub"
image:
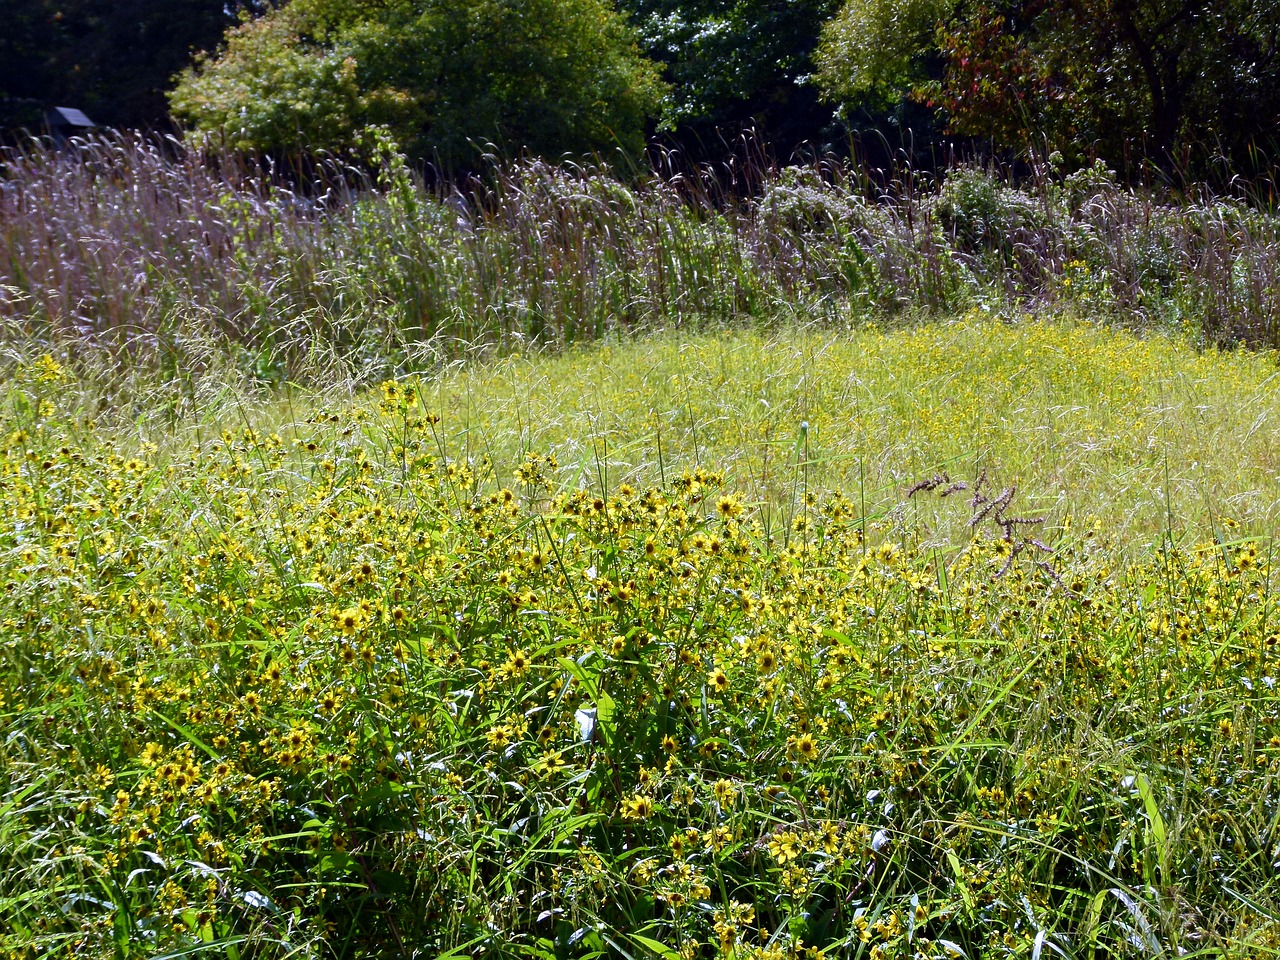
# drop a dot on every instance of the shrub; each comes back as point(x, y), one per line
point(983, 213)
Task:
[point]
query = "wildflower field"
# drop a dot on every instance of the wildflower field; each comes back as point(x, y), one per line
point(955, 640)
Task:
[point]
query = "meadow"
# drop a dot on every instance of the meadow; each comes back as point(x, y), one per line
point(880, 634)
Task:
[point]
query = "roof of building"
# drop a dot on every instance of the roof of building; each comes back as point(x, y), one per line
point(71, 117)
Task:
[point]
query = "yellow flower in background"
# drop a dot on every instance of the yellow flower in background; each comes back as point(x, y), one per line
point(784, 846)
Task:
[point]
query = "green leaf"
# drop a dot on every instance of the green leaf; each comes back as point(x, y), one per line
point(655, 947)
point(1155, 825)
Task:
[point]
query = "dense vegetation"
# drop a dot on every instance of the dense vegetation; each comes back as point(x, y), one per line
point(626, 557)
point(1161, 78)
point(1183, 84)
point(401, 571)
point(445, 77)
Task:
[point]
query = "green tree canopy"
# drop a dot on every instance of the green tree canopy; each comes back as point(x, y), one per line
point(874, 51)
point(736, 61)
point(549, 76)
point(1096, 73)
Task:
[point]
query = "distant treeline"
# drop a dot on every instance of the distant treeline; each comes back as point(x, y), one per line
point(113, 59)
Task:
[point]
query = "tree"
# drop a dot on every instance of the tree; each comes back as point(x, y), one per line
point(875, 51)
point(1102, 73)
point(445, 76)
point(737, 62)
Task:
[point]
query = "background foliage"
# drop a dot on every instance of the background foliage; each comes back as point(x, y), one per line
point(445, 76)
point(740, 63)
point(1164, 77)
point(1182, 84)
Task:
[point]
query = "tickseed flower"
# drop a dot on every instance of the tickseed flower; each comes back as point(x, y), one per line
point(517, 664)
point(725, 792)
point(795, 880)
point(499, 736)
point(717, 838)
point(806, 748)
point(729, 507)
point(643, 871)
point(550, 764)
point(47, 369)
point(784, 846)
point(349, 621)
point(151, 754)
point(637, 808)
point(730, 923)
point(677, 844)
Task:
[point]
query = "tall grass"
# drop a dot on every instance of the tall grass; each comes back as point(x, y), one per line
point(128, 245)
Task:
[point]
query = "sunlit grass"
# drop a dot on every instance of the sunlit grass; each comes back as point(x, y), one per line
point(1089, 422)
